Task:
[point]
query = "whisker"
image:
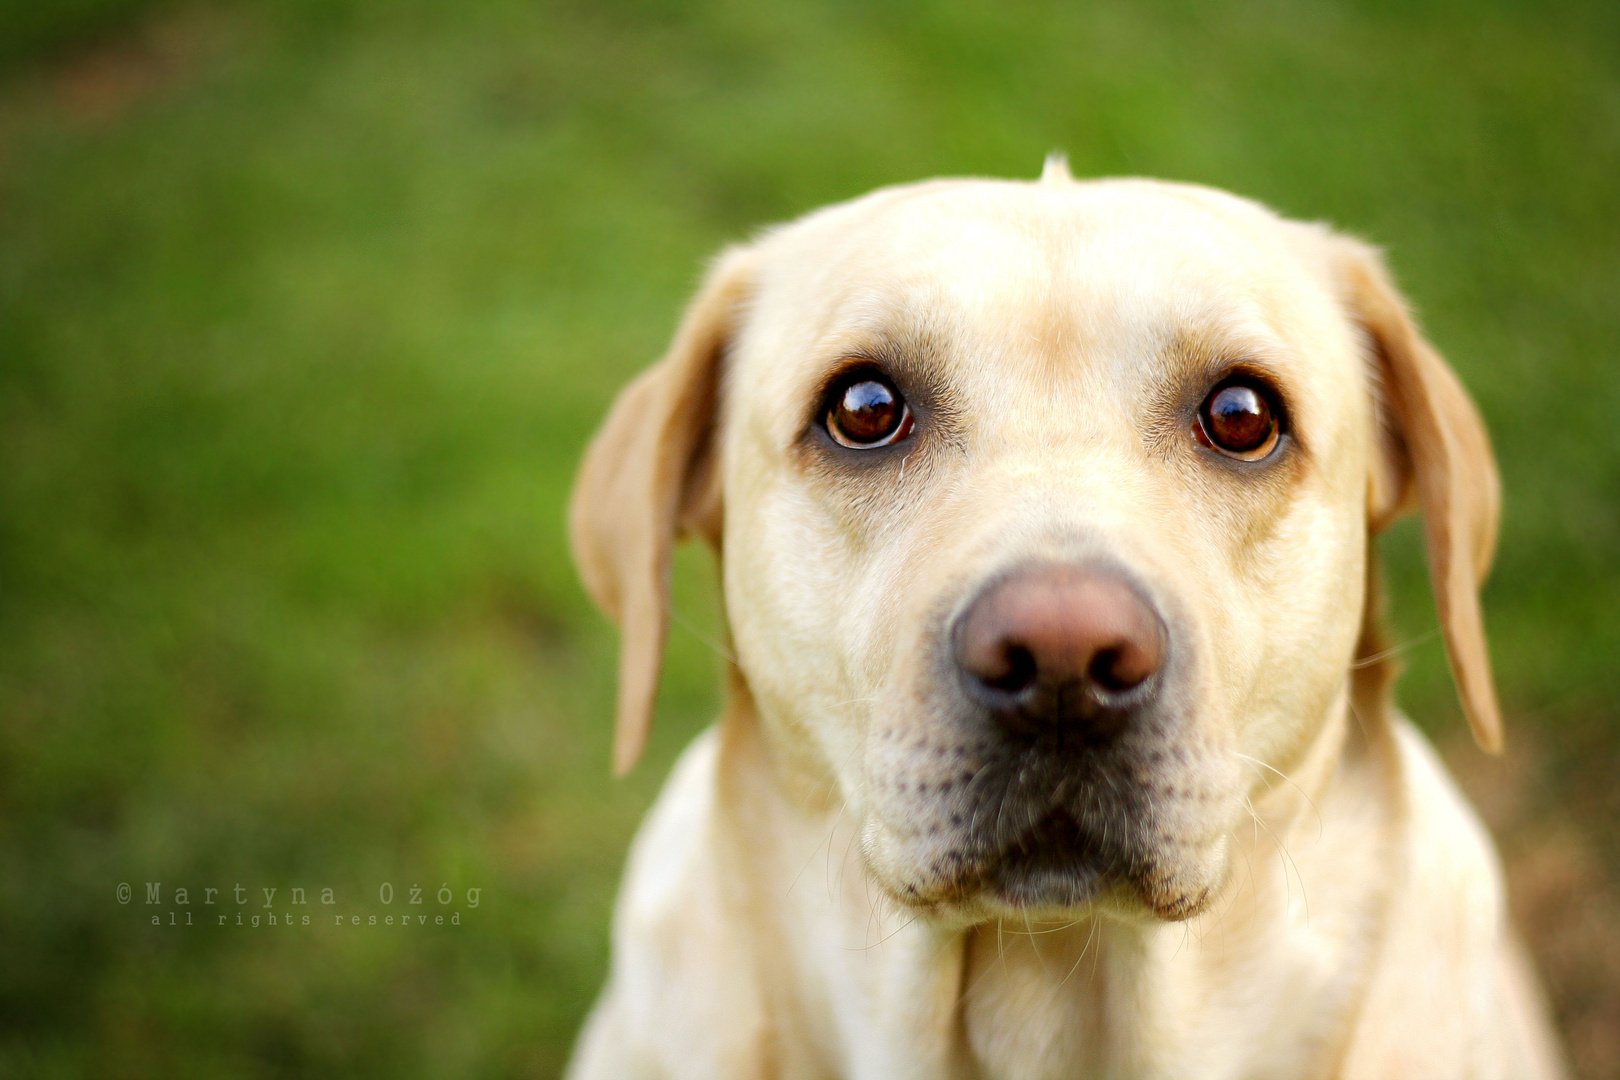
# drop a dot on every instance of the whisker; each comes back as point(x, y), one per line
point(1001, 962)
point(1034, 945)
point(1054, 930)
point(692, 628)
point(1076, 965)
point(827, 843)
point(1291, 781)
point(1288, 858)
point(887, 937)
point(1395, 650)
point(1186, 932)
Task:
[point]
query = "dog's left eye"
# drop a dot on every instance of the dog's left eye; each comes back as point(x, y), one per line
point(865, 411)
point(1239, 418)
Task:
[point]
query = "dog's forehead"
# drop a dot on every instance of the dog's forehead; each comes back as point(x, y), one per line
point(984, 251)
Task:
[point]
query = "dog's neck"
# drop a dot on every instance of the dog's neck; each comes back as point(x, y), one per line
point(841, 966)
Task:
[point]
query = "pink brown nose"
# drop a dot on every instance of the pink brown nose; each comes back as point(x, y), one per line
point(1060, 646)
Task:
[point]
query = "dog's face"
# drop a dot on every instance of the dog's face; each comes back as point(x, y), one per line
point(985, 411)
point(1045, 511)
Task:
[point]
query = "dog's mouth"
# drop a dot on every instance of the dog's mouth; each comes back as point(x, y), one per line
point(1056, 863)
point(1038, 834)
point(975, 821)
point(1074, 853)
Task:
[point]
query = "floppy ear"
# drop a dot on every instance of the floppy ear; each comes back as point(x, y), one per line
point(649, 476)
point(1432, 444)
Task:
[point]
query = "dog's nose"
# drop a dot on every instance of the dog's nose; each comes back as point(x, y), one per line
point(1060, 646)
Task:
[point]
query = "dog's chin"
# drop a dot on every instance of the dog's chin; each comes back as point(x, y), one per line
point(1053, 867)
point(1057, 871)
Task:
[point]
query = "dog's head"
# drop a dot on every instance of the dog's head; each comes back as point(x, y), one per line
point(1045, 515)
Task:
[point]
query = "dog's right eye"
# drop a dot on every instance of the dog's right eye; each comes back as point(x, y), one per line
point(865, 411)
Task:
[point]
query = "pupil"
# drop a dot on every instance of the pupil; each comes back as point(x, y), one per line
point(868, 411)
point(1240, 417)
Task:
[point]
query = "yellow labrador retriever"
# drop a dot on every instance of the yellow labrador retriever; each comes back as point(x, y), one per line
point(1057, 740)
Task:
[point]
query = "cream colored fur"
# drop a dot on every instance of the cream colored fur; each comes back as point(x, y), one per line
point(1326, 905)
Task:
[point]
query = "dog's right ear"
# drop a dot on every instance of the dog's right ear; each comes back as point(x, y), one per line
point(650, 475)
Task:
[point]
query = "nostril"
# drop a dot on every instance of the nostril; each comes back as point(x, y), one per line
point(1019, 671)
point(1121, 668)
point(1104, 671)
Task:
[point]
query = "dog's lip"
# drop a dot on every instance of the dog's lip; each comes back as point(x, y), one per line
point(1054, 863)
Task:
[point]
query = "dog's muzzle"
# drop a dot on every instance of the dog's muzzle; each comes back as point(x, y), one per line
point(1067, 679)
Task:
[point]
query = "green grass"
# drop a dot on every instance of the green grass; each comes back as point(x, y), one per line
point(305, 316)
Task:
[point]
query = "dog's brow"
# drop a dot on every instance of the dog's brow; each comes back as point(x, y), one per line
point(911, 356)
point(1200, 357)
point(1212, 345)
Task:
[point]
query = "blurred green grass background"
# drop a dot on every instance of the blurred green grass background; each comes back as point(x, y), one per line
point(307, 308)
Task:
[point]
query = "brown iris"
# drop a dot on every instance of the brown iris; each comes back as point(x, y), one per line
point(1239, 420)
point(866, 411)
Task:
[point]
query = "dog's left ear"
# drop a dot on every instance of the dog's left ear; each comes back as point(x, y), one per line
point(1432, 444)
point(649, 476)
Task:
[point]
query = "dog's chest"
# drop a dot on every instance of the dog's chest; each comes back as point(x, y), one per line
point(1100, 998)
point(1044, 1003)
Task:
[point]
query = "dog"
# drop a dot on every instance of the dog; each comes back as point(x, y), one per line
point(1057, 737)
